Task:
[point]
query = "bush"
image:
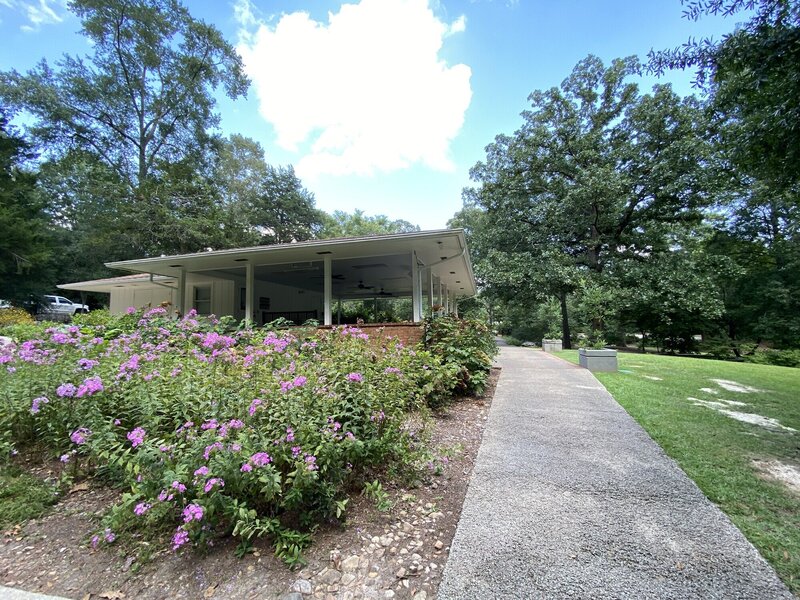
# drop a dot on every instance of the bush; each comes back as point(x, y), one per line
point(253, 433)
point(467, 344)
point(780, 358)
point(14, 316)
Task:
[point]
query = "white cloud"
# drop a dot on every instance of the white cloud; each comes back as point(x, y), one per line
point(41, 12)
point(365, 92)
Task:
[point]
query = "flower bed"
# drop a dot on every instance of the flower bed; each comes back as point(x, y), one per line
point(211, 432)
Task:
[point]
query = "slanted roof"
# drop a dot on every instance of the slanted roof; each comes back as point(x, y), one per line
point(444, 251)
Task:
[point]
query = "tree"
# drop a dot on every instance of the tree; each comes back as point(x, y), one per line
point(752, 76)
point(342, 224)
point(143, 99)
point(268, 204)
point(26, 243)
point(596, 176)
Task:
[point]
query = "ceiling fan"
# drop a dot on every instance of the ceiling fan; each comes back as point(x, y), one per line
point(361, 286)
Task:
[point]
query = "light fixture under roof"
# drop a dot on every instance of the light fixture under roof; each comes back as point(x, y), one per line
point(176, 266)
point(239, 260)
point(452, 272)
point(325, 252)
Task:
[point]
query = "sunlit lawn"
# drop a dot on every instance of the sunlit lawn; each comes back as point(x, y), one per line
point(718, 451)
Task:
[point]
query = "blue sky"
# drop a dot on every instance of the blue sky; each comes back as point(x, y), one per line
point(384, 105)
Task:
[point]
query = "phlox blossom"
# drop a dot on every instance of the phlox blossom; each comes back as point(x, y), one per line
point(179, 539)
point(142, 508)
point(211, 483)
point(193, 512)
point(36, 404)
point(355, 377)
point(260, 459)
point(79, 436)
point(66, 390)
point(136, 436)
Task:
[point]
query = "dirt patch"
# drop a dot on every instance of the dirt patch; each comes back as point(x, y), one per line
point(400, 553)
point(775, 470)
point(732, 386)
point(710, 391)
point(723, 407)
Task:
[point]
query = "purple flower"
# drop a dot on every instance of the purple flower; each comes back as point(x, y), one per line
point(355, 377)
point(131, 310)
point(201, 472)
point(65, 458)
point(253, 405)
point(289, 434)
point(136, 436)
point(177, 485)
point(66, 390)
point(211, 424)
point(311, 462)
point(246, 468)
point(179, 539)
point(164, 497)
point(214, 481)
point(141, 508)
point(109, 536)
point(90, 386)
point(87, 363)
point(117, 422)
point(392, 370)
point(236, 424)
point(209, 449)
point(296, 451)
point(80, 435)
point(193, 512)
point(37, 402)
point(260, 459)
point(299, 381)
point(95, 541)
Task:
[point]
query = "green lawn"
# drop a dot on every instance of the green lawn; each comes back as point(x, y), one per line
point(718, 451)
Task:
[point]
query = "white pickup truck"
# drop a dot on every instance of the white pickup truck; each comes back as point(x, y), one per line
point(58, 308)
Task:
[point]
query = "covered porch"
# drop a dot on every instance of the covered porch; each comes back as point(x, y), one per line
point(300, 281)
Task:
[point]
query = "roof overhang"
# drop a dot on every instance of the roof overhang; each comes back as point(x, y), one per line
point(443, 251)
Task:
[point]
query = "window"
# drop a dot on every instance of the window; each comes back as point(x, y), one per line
point(202, 299)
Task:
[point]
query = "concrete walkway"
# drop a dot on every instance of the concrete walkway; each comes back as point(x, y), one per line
point(570, 498)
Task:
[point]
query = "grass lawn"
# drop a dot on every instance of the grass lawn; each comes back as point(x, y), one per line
point(22, 496)
point(717, 451)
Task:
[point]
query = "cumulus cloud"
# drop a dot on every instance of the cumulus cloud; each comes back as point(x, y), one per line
point(365, 91)
point(42, 12)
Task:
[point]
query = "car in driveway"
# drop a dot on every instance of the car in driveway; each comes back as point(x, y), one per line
point(59, 308)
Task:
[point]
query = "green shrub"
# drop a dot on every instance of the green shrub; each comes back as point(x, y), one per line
point(210, 433)
point(780, 358)
point(14, 316)
point(466, 344)
point(512, 341)
point(22, 496)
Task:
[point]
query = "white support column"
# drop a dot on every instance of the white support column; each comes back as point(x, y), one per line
point(430, 290)
point(249, 293)
point(455, 304)
point(416, 292)
point(327, 289)
point(445, 299)
point(180, 293)
point(440, 298)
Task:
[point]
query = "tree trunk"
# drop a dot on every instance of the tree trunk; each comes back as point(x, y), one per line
point(565, 334)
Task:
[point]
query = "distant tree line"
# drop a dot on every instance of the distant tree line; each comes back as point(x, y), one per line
point(122, 156)
point(612, 212)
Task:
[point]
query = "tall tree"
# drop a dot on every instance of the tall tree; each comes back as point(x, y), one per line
point(595, 176)
point(343, 224)
point(143, 98)
point(26, 242)
point(268, 204)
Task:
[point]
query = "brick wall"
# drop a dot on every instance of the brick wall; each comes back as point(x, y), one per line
point(408, 333)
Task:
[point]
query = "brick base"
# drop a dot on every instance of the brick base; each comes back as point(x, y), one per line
point(409, 334)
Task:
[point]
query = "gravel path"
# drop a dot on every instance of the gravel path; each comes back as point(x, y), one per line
point(570, 498)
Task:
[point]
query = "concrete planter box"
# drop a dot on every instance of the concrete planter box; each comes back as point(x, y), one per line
point(598, 360)
point(551, 345)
